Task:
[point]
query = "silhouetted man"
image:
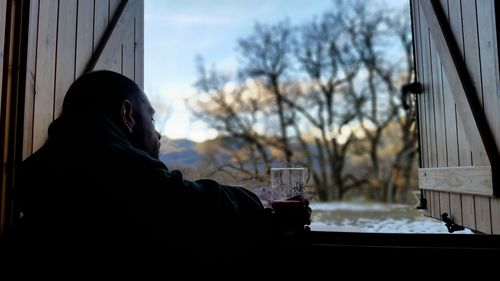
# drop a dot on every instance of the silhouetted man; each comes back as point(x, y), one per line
point(97, 189)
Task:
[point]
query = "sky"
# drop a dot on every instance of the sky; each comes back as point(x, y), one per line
point(177, 31)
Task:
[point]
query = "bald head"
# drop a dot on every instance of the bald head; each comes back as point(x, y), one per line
point(100, 93)
point(114, 96)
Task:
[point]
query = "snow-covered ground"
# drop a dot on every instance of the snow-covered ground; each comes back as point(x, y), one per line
point(374, 217)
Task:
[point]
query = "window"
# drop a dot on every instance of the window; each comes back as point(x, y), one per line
point(240, 88)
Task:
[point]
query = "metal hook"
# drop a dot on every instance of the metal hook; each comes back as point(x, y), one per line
point(452, 227)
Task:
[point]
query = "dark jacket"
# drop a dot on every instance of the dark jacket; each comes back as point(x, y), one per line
point(89, 191)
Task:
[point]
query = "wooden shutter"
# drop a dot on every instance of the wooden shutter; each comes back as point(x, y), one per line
point(4, 62)
point(456, 58)
point(63, 40)
point(73, 37)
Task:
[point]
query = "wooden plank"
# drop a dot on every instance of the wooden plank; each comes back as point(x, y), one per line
point(419, 77)
point(65, 67)
point(456, 208)
point(431, 121)
point(444, 5)
point(450, 126)
point(139, 46)
point(464, 149)
point(427, 197)
point(105, 59)
point(447, 121)
point(450, 120)
point(29, 99)
point(426, 89)
point(45, 71)
point(3, 19)
point(472, 61)
point(426, 85)
point(471, 44)
point(471, 179)
point(468, 211)
point(483, 217)
point(128, 59)
point(444, 203)
point(455, 19)
point(85, 32)
point(115, 63)
point(463, 101)
point(115, 21)
point(439, 117)
point(101, 19)
point(6, 98)
point(430, 203)
point(113, 6)
point(495, 215)
point(436, 208)
point(489, 64)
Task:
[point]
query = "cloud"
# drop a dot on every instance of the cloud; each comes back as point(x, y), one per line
point(177, 92)
point(188, 20)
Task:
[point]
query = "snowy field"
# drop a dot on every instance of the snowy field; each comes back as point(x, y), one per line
point(374, 217)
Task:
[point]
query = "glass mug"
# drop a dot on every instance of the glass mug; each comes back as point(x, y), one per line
point(288, 187)
point(288, 183)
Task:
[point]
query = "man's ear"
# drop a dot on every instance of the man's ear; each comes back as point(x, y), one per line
point(127, 115)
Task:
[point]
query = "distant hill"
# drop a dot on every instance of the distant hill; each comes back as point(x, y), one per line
point(179, 152)
point(184, 152)
point(187, 153)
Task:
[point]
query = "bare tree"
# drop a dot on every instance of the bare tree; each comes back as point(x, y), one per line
point(328, 103)
point(301, 91)
point(234, 113)
point(371, 30)
point(266, 56)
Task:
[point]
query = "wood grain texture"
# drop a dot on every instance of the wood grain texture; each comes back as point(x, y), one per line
point(444, 203)
point(101, 19)
point(3, 18)
point(471, 180)
point(488, 50)
point(473, 63)
point(495, 215)
point(45, 71)
point(456, 208)
point(139, 46)
point(419, 77)
point(65, 67)
point(85, 32)
point(482, 213)
point(455, 19)
point(427, 195)
point(468, 211)
point(112, 7)
point(427, 88)
point(128, 47)
point(29, 98)
point(439, 117)
point(436, 208)
point(114, 43)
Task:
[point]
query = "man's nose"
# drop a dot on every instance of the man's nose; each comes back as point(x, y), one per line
point(159, 135)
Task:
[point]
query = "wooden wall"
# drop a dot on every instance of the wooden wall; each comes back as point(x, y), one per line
point(3, 19)
point(44, 46)
point(64, 38)
point(455, 172)
point(3, 63)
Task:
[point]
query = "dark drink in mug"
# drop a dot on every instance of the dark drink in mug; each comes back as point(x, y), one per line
point(291, 210)
point(292, 215)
